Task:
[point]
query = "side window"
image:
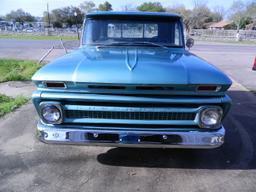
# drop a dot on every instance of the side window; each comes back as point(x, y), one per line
point(177, 34)
point(114, 30)
point(151, 30)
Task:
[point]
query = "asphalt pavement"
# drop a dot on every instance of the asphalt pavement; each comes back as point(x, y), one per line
point(26, 43)
point(28, 165)
point(234, 59)
point(35, 44)
point(34, 49)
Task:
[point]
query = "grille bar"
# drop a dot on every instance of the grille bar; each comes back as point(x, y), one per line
point(130, 115)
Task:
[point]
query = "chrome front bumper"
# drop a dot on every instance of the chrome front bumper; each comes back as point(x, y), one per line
point(119, 138)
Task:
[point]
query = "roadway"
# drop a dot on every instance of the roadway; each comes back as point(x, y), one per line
point(200, 46)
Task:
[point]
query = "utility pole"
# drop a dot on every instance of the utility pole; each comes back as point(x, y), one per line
point(48, 16)
point(77, 30)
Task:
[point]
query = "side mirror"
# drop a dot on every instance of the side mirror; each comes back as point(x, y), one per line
point(190, 43)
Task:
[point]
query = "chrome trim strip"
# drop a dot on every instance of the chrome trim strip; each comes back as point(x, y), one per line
point(127, 60)
point(189, 139)
point(130, 109)
point(128, 99)
point(131, 92)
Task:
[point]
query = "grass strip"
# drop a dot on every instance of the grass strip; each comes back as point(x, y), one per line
point(8, 104)
point(17, 70)
point(34, 37)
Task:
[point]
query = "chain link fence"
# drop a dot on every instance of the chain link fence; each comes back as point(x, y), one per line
point(40, 33)
point(210, 34)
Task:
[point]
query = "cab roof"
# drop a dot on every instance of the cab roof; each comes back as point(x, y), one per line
point(123, 15)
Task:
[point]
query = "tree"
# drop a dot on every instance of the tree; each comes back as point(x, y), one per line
point(218, 13)
point(185, 13)
point(151, 6)
point(87, 6)
point(65, 16)
point(20, 16)
point(199, 3)
point(45, 18)
point(251, 10)
point(128, 7)
point(105, 7)
point(200, 15)
point(237, 13)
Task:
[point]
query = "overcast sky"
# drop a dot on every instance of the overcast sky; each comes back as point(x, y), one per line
point(37, 7)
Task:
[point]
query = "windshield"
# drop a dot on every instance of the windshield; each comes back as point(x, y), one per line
point(142, 32)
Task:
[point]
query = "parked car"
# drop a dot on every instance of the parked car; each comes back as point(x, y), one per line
point(132, 83)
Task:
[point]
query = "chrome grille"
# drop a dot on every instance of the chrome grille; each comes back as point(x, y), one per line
point(130, 115)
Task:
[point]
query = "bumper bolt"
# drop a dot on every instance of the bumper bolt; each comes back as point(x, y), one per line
point(56, 135)
point(165, 137)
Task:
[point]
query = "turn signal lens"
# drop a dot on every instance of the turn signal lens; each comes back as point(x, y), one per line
point(55, 85)
point(211, 88)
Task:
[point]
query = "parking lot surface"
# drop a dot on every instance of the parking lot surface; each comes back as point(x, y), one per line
point(235, 60)
point(28, 165)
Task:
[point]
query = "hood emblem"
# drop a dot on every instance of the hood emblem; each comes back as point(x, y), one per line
point(131, 65)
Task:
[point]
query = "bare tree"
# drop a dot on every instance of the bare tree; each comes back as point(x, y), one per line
point(237, 13)
point(200, 15)
point(87, 6)
point(251, 10)
point(218, 13)
point(200, 3)
point(128, 7)
point(185, 13)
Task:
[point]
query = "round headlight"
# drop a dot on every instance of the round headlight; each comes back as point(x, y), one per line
point(51, 114)
point(211, 117)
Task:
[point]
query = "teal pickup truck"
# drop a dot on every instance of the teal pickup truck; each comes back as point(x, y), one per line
point(132, 83)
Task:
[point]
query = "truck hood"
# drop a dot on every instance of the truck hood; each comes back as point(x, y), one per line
point(132, 65)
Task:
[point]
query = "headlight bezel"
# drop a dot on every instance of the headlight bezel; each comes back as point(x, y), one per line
point(57, 105)
point(205, 109)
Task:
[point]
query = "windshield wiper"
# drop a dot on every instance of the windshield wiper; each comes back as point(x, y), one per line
point(113, 44)
point(132, 43)
point(151, 43)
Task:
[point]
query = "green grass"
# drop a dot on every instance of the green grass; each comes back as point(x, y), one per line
point(34, 37)
point(8, 104)
point(17, 70)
